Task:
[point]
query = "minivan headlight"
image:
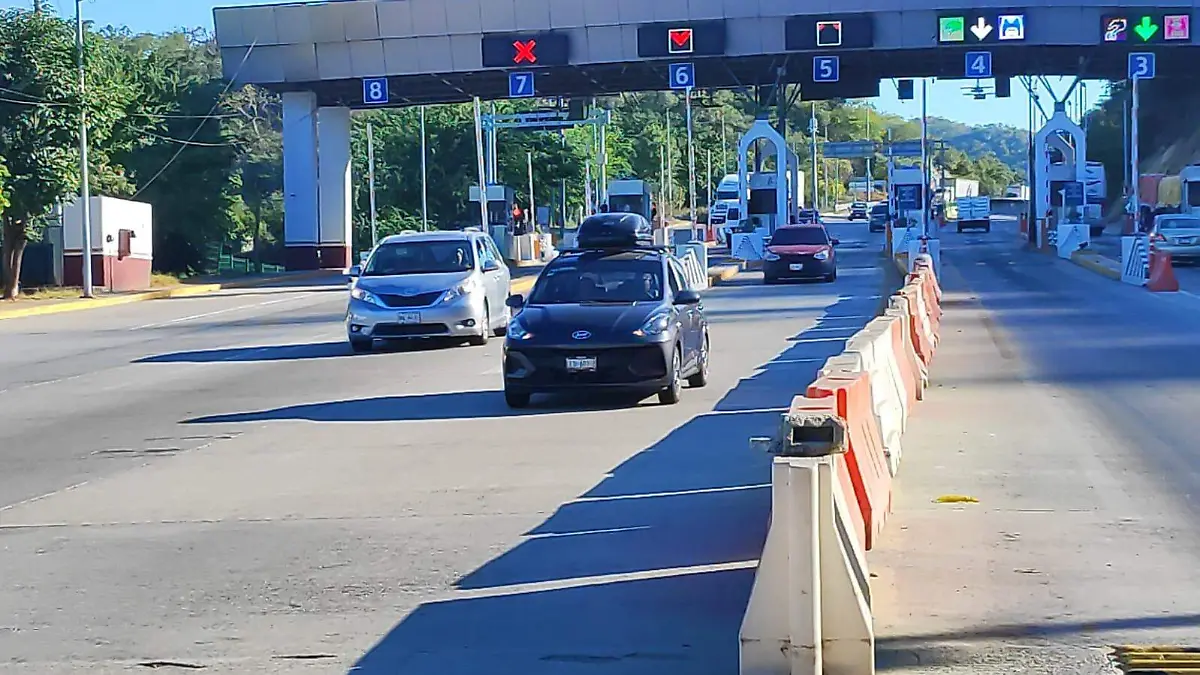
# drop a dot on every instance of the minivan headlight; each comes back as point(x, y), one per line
point(463, 289)
point(366, 296)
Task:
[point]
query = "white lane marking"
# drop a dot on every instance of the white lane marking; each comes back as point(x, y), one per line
point(41, 497)
point(596, 580)
point(676, 493)
point(205, 315)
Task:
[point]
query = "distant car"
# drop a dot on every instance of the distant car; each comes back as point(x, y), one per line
point(800, 252)
point(1177, 234)
point(877, 222)
point(445, 284)
point(809, 216)
point(615, 314)
point(858, 211)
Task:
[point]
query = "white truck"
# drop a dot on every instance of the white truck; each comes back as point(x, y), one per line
point(723, 213)
point(974, 213)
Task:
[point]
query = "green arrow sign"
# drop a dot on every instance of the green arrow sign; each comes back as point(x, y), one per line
point(1146, 28)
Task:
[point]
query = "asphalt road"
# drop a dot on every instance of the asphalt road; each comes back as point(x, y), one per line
point(218, 482)
point(1064, 402)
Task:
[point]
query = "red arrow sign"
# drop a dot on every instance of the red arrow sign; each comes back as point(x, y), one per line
point(679, 41)
point(524, 53)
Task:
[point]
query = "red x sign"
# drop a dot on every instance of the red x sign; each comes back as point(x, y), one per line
point(524, 53)
point(679, 41)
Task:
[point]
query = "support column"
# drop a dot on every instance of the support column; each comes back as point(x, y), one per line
point(335, 234)
point(300, 180)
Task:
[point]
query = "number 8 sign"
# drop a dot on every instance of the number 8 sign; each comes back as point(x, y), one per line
point(375, 91)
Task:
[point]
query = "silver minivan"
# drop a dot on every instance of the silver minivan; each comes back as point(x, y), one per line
point(421, 285)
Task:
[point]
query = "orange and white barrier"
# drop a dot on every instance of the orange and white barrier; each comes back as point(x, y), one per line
point(837, 451)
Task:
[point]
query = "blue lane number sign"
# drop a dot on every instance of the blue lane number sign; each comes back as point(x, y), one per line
point(1141, 66)
point(979, 64)
point(682, 75)
point(375, 91)
point(520, 85)
point(825, 69)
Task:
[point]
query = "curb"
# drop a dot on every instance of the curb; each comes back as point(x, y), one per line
point(722, 273)
point(1098, 264)
point(160, 294)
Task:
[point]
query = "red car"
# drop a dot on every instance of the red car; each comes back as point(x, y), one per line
point(800, 252)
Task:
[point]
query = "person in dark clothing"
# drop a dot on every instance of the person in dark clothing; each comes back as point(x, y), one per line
point(1147, 218)
point(604, 208)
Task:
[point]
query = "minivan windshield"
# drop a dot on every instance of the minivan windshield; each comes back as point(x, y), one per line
point(603, 278)
point(790, 236)
point(420, 257)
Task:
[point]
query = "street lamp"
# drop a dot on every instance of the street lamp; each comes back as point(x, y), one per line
point(85, 210)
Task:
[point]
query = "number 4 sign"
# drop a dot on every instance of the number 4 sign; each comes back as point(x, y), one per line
point(979, 65)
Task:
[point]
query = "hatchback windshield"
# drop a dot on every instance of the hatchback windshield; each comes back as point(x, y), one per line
point(618, 278)
point(879, 210)
point(1179, 223)
point(789, 236)
point(421, 257)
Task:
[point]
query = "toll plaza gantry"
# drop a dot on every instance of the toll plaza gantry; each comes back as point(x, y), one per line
point(329, 58)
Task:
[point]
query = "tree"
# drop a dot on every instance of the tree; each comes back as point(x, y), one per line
point(39, 121)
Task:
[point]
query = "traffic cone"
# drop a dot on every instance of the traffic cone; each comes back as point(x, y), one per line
point(1162, 273)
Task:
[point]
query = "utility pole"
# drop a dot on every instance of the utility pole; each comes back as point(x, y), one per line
point(85, 196)
point(483, 187)
point(532, 205)
point(1133, 152)
point(670, 164)
point(724, 147)
point(662, 184)
point(812, 133)
point(371, 183)
point(696, 236)
point(924, 160)
point(870, 178)
point(708, 183)
point(424, 178)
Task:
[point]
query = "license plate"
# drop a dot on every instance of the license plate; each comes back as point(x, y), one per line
point(408, 318)
point(581, 363)
point(796, 267)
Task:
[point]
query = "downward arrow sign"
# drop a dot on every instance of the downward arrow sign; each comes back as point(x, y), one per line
point(981, 29)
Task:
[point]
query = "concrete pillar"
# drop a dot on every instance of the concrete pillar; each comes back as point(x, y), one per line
point(333, 157)
point(300, 232)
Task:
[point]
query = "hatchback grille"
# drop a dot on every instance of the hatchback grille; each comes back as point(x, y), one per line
point(419, 300)
point(618, 365)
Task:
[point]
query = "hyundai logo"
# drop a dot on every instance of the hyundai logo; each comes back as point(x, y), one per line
point(581, 335)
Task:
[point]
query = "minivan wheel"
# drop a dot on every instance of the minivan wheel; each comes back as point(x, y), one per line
point(485, 330)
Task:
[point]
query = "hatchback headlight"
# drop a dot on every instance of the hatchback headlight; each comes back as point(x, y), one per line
point(767, 255)
point(517, 330)
point(657, 324)
point(464, 289)
point(821, 255)
point(366, 296)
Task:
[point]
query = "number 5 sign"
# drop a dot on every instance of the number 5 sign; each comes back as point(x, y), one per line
point(825, 69)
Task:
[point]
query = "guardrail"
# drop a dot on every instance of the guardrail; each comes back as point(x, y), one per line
point(837, 452)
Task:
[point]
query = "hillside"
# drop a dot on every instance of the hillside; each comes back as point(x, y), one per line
point(1009, 144)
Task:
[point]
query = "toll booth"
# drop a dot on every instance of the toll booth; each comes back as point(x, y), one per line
point(1059, 195)
point(630, 195)
point(499, 215)
point(768, 199)
point(910, 198)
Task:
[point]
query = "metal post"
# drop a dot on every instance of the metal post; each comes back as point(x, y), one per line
point(371, 183)
point(662, 183)
point(85, 196)
point(708, 182)
point(562, 209)
point(1124, 142)
point(483, 186)
point(687, 99)
point(587, 189)
point(670, 164)
point(870, 179)
point(532, 204)
point(424, 178)
point(603, 190)
point(495, 154)
point(812, 132)
point(924, 159)
point(1133, 153)
point(724, 147)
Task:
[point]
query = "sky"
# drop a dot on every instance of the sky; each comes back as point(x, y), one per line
point(946, 98)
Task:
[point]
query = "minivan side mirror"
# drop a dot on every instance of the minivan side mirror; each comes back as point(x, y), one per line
point(515, 301)
point(490, 266)
point(354, 272)
point(687, 297)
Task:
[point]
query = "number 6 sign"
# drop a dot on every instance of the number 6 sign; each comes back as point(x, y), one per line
point(682, 75)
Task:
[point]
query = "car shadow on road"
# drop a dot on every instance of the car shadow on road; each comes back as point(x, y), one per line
point(646, 573)
point(296, 352)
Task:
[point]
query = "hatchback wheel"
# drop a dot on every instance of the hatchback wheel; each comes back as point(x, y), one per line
point(672, 393)
point(700, 379)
